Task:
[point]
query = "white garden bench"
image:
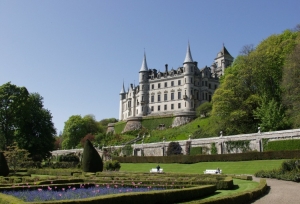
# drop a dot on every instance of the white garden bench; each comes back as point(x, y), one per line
point(154, 170)
point(212, 171)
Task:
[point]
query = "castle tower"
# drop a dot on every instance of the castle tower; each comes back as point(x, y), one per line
point(143, 82)
point(122, 97)
point(188, 71)
point(222, 61)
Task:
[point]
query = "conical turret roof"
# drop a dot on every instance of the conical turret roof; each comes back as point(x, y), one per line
point(188, 57)
point(123, 89)
point(144, 66)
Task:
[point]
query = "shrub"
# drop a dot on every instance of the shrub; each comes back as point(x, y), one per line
point(127, 150)
point(68, 158)
point(196, 151)
point(283, 145)
point(213, 149)
point(91, 161)
point(174, 148)
point(112, 165)
point(4, 171)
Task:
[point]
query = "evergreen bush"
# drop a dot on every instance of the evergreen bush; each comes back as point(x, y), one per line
point(174, 148)
point(4, 170)
point(91, 161)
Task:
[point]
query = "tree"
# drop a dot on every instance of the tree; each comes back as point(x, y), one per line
point(204, 109)
point(4, 170)
point(24, 120)
point(77, 127)
point(291, 86)
point(12, 103)
point(253, 80)
point(16, 156)
point(74, 130)
point(36, 130)
point(91, 161)
point(174, 148)
point(89, 137)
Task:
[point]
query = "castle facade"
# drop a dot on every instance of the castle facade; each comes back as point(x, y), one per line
point(175, 91)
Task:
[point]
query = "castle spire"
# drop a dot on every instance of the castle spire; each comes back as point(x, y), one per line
point(188, 57)
point(144, 66)
point(123, 89)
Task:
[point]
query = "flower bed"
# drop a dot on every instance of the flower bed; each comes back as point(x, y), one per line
point(71, 193)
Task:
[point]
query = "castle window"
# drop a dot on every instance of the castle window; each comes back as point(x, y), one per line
point(159, 85)
point(179, 105)
point(142, 87)
point(137, 111)
point(172, 96)
point(143, 76)
point(142, 98)
point(158, 98)
point(184, 80)
point(166, 84)
point(209, 98)
point(205, 83)
point(152, 99)
point(172, 106)
point(202, 83)
point(215, 86)
point(191, 80)
point(184, 104)
point(158, 108)
point(152, 86)
point(165, 97)
point(165, 107)
point(179, 82)
point(179, 95)
point(172, 83)
point(205, 96)
point(209, 86)
point(152, 108)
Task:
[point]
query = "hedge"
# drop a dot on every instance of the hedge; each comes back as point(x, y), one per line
point(283, 145)
point(196, 150)
point(243, 197)
point(187, 159)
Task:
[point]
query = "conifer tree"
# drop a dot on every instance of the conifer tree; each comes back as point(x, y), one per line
point(91, 161)
point(4, 171)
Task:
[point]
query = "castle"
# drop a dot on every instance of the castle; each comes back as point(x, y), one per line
point(177, 92)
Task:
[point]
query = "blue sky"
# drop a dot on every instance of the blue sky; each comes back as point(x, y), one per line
point(76, 54)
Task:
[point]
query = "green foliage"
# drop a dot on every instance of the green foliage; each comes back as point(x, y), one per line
point(291, 86)
point(237, 146)
point(204, 109)
point(213, 149)
point(174, 148)
point(68, 158)
point(119, 127)
point(113, 165)
point(16, 157)
point(196, 151)
point(24, 120)
point(4, 170)
point(289, 170)
point(153, 123)
point(252, 81)
point(282, 145)
point(127, 150)
point(272, 116)
point(91, 161)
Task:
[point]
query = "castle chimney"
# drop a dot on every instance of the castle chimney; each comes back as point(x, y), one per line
point(166, 65)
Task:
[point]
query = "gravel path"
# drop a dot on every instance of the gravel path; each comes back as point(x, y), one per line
point(280, 192)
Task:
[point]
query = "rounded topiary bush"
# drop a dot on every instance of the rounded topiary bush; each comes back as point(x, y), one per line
point(4, 170)
point(91, 161)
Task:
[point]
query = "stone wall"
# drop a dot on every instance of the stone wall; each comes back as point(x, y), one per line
point(182, 118)
point(110, 128)
point(133, 123)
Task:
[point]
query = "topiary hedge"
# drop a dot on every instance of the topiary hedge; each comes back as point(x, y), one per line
point(91, 161)
point(4, 170)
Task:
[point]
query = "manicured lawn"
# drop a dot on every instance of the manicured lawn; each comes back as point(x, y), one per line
point(242, 167)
